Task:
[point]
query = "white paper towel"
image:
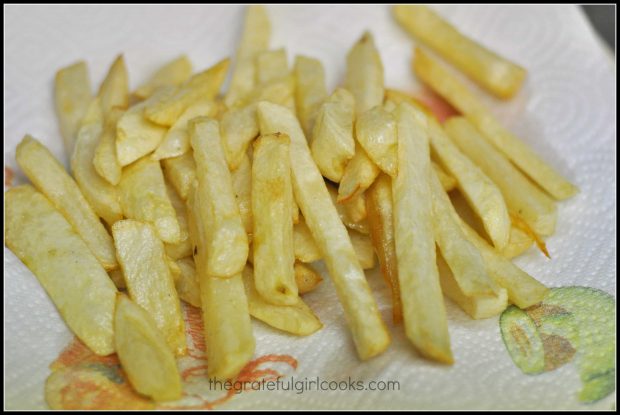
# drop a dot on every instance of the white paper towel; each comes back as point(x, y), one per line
point(566, 112)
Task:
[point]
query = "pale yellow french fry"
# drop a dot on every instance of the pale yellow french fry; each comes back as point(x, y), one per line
point(176, 139)
point(101, 195)
point(203, 85)
point(187, 284)
point(448, 182)
point(117, 277)
point(242, 187)
point(180, 172)
point(271, 65)
point(64, 265)
point(105, 159)
point(491, 71)
point(50, 177)
point(306, 277)
point(114, 90)
point(477, 306)
point(364, 76)
point(350, 211)
point(396, 97)
point(144, 197)
point(332, 143)
point(254, 39)
point(149, 364)
point(238, 128)
point(296, 318)
point(369, 332)
point(148, 278)
point(459, 96)
point(278, 91)
point(72, 95)
point(272, 202)
point(482, 193)
point(173, 73)
point(424, 311)
point(519, 242)
point(522, 197)
point(310, 91)
point(227, 242)
point(389, 105)
point(355, 209)
point(359, 174)
point(362, 245)
point(303, 242)
point(183, 248)
point(375, 131)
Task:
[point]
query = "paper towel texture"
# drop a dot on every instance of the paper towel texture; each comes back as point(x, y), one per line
point(566, 113)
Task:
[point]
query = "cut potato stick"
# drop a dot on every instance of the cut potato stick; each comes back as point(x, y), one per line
point(521, 225)
point(332, 143)
point(64, 265)
point(310, 91)
point(306, 277)
point(348, 211)
point(359, 174)
point(494, 73)
point(144, 197)
point(72, 95)
point(271, 65)
point(448, 182)
point(522, 197)
point(101, 195)
point(375, 131)
point(369, 332)
point(279, 91)
point(255, 39)
point(180, 172)
point(424, 311)
point(187, 284)
point(364, 76)
point(49, 177)
point(226, 240)
point(459, 96)
point(395, 96)
point(272, 202)
point(519, 242)
point(381, 224)
point(116, 275)
point(242, 187)
point(363, 249)
point(105, 159)
point(203, 85)
point(238, 128)
point(183, 248)
point(355, 209)
point(148, 278)
point(145, 357)
point(114, 90)
point(483, 195)
point(303, 242)
point(173, 73)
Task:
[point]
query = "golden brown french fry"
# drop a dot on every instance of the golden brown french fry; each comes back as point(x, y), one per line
point(144, 198)
point(459, 96)
point(424, 311)
point(349, 211)
point(144, 355)
point(64, 265)
point(72, 95)
point(332, 143)
point(148, 278)
point(522, 197)
point(363, 249)
point(203, 85)
point(310, 91)
point(242, 187)
point(183, 248)
point(306, 277)
point(364, 76)
point(105, 159)
point(483, 195)
point(272, 202)
point(101, 195)
point(303, 242)
point(114, 90)
point(381, 224)
point(227, 242)
point(491, 71)
point(49, 177)
point(173, 73)
point(271, 65)
point(238, 128)
point(187, 284)
point(359, 174)
point(368, 330)
point(447, 181)
point(255, 39)
point(180, 172)
point(375, 131)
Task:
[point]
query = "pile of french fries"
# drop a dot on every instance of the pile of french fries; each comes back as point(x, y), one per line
point(178, 193)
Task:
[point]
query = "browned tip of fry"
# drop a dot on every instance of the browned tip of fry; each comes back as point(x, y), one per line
point(521, 224)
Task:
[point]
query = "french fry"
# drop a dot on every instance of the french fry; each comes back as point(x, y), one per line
point(355, 209)
point(271, 65)
point(176, 139)
point(332, 143)
point(226, 240)
point(279, 91)
point(173, 73)
point(296, 318)
point(424, 311)
point(64, 265)
point(459, 96)
point(187, 285)
point(114, 90)
point(350, 211)
point(369, 332)
point(522, 197)
point(238, 128)
point(50, 178)
point(101, 195)
point(483, 195)
point(183, 248)
point(117, 277)
point(242, 187)
point(306, 277)
point(203, 85)
point(363, 249)
point(375, 130)
point(494, 73)
point(144, 198)
point(381, 224)
point(272, 200)
point(72, 95)
point(396, 97)
point(389, 105)
point(303, 242)
point(105, 159)
point(448, 182)
point(520, 241)
point(310, 91)
point(148, 278)
point(255, 39)
point(180, 172)
point(359, 174)
point(364, 76)
point(144, 355)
